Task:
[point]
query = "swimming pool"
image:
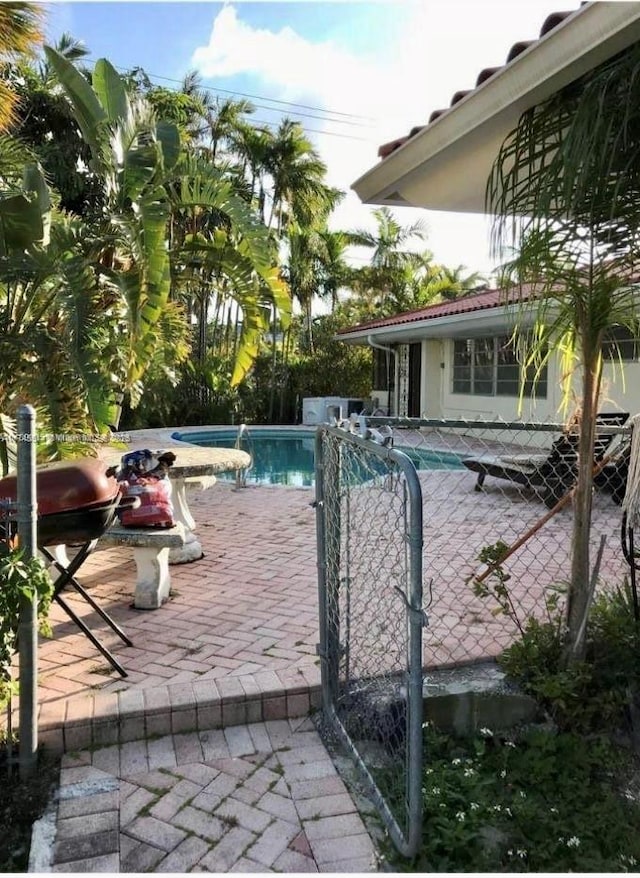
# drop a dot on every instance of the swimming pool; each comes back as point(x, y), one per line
point(285, 457)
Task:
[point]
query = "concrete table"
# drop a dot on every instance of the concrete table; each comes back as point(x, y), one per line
point(192, 462)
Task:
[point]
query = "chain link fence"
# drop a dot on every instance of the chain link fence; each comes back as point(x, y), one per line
point(369, 520)
point(386, 530)
point(493, 487)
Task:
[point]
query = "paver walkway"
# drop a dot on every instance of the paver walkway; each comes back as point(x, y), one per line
point(263, 797)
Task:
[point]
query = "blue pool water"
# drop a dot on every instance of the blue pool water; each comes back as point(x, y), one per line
point(285, 457)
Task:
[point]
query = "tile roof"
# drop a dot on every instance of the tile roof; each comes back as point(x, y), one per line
point(552, 21)
point(473, 302)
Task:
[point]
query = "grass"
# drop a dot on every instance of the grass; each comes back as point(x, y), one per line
point(21, 804)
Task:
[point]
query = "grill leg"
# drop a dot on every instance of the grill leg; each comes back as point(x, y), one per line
point(85, 630)
point(67, 576)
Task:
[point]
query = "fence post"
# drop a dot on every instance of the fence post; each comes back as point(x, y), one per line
point(328, 536)
point(415, 694)
point(28, 625)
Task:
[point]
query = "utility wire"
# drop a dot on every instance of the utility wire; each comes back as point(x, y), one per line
point(272, 125)
point(316, 131)
point(367, 121)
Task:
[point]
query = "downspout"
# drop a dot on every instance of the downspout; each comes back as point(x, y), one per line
point(388, 350)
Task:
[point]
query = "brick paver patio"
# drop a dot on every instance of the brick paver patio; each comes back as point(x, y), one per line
point(237, 641)
point(264, 797)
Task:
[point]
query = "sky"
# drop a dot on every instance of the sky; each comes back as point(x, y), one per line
point(355, 74)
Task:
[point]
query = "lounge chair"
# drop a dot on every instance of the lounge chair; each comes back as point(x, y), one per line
point(554, 473)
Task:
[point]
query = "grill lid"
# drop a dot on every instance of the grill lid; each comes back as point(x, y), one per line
point(67, 485)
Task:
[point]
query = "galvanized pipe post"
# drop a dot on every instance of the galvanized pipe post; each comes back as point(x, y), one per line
point(28, 625)
point(327, 470)
point(417, 620)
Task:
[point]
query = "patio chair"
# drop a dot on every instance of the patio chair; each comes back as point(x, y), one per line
point(553, 473)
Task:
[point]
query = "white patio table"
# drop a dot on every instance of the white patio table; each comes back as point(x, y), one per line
point(192, 462)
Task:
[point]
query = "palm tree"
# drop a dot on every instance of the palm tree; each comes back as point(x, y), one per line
point(225, 119)
point(44, 121)
point(392, 256)
point(334, 271)
point(223, 252)
point(253, 146)
point(70, 48)
point(453, 282)
point(389, 240)
point(565, 190)
point(299, 191)
point(20, 34)
point(301, 271)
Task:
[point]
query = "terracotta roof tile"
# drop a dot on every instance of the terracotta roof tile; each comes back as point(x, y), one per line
point(551, 21)
point(473, 302)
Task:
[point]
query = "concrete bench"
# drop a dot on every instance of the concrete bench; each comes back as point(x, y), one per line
point(199, 483)
point(151, 553)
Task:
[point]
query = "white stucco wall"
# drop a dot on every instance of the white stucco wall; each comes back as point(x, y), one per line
point(621, 388)
point(620, 391)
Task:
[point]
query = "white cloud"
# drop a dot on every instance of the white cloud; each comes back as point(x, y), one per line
point(442, 46)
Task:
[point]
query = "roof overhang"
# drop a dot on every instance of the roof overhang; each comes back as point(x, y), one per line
point(475, 323)
point(447, 164)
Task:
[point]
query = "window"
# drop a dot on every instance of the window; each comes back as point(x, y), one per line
point(491, 367)
point(620, 344)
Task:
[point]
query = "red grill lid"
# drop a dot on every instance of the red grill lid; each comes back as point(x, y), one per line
point(67, 485)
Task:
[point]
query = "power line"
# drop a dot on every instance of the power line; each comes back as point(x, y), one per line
point(368, 119)
point(272, 100)
point(317, 131)
point(272, 125)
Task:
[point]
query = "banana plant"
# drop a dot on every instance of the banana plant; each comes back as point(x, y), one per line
point(25, 204)
point(60, 338)
point(226, 252)
point(133, 153)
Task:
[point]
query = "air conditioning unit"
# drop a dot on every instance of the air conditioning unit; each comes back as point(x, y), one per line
point(352, 407)
point(314, 409)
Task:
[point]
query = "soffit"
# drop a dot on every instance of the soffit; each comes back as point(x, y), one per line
point(445, 164)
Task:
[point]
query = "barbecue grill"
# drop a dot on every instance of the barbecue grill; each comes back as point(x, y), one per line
point(77, 502)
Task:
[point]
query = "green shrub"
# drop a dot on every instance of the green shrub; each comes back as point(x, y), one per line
point(593, 694)
point(535, 802)
point(19, 579)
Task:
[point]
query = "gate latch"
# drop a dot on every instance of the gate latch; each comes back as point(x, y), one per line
point(416, 614)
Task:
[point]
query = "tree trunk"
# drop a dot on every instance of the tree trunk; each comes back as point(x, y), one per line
point(236, 330)
point(274, 360)
point(309, 317)
point(215, 341)
point(285, 372)
point(578, 596)
point(202, 328)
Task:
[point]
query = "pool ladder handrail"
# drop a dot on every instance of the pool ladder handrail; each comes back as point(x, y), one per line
point(241, 474)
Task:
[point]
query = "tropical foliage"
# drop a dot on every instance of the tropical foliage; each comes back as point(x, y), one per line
point(154, 243)
point(564, 189)
point(19, 35)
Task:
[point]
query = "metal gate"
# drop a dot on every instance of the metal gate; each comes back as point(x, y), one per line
point(369, 532)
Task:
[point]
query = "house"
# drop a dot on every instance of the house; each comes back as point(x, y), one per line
point(453, 359)
point(456, 360)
